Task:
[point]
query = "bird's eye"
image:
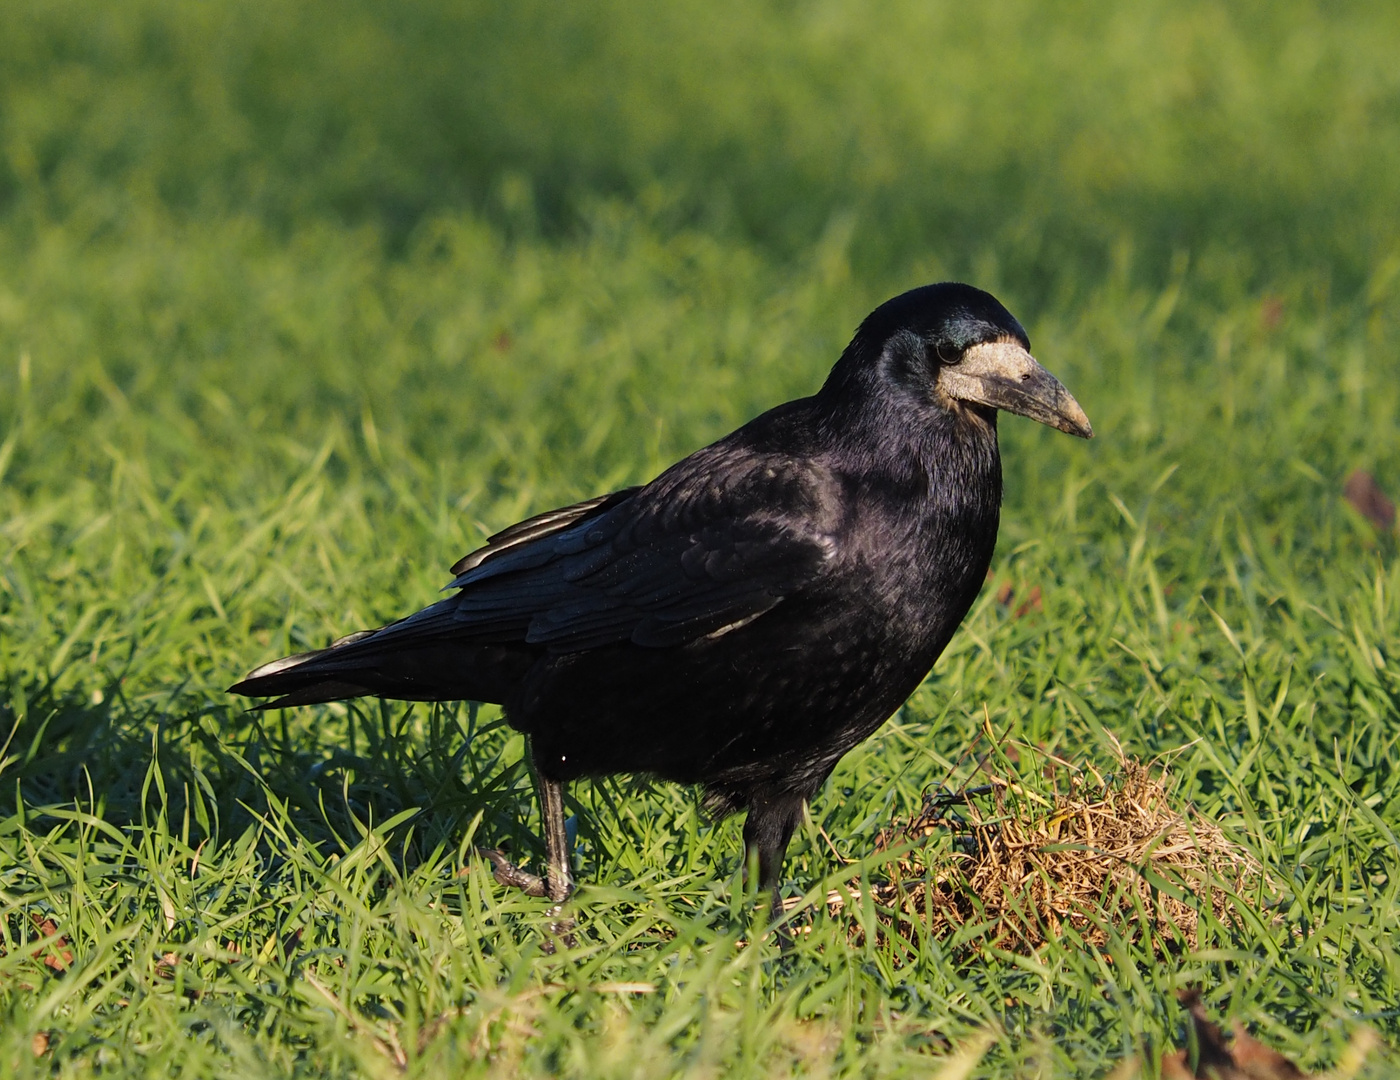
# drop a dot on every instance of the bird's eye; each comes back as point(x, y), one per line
point(946, 353)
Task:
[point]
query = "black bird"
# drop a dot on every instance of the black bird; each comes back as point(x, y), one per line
point(754, 612)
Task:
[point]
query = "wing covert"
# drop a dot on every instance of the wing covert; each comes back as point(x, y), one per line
point(661, 566)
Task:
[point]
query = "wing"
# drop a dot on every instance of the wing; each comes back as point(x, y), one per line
point(551, 521)
point(699, 552)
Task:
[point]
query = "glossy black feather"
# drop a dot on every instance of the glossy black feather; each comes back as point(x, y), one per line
point(748, 616)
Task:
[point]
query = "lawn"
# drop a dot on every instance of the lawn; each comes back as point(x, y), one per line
point(300, 302)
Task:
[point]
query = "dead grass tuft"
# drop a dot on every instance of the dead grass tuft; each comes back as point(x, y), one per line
point(1112, 856)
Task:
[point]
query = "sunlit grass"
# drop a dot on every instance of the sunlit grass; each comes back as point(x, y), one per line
point(265, 373)
point(290, 889)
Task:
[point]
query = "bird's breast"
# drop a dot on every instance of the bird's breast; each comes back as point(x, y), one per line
point(921, 560)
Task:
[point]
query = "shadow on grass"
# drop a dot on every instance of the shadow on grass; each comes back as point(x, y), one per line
point(212, 769)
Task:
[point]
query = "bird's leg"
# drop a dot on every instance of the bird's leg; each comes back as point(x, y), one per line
point(557, 882)
point(558, 874)
point(767, 830)
point(559, 877)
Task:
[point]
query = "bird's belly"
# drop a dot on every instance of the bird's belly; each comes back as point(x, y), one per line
point(791, 692)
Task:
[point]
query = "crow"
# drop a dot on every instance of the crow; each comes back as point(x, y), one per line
point(754, 612)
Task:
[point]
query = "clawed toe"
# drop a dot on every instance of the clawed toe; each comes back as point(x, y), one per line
point(511, 876)
point(508, 874)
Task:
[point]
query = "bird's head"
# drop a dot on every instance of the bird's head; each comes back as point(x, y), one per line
point(956, 346)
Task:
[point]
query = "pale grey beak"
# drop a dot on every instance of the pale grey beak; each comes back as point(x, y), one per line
point(1003, 375)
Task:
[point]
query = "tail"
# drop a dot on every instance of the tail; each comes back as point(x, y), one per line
point(420, 658)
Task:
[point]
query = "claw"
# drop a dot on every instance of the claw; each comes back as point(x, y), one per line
point(561, 928)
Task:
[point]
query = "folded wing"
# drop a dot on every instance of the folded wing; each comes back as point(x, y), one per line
point(684, 558)
point(658, 567)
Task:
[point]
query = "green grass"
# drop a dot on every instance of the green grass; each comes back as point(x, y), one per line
point(298, 304)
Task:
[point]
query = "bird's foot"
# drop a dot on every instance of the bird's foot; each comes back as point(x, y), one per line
point(561, 929)
point(777, 929)
point(511, 876)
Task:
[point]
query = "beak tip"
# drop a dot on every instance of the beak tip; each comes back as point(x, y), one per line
point(1075, 420)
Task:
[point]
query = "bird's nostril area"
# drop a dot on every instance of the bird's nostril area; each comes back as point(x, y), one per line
point(1025, 376)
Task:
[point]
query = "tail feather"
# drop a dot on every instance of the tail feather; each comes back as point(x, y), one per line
point(317, 693)
point(415, 659)
point(308, 678)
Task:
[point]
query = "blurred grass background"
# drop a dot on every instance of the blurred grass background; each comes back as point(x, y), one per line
point(300, 301)
point(1037, 136)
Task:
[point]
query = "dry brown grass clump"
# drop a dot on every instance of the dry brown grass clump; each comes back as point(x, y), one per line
point(1111, 855)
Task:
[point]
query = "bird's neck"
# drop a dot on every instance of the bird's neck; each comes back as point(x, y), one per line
point(923, 498)
point(944, 457)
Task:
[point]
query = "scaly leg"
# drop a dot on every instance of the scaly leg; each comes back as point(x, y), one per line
point(559, 875)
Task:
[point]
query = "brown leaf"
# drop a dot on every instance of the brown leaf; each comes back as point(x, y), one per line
point(1271, 313)
point(1031, 603)
point(1256, 1060)
point(58, 957)
point(1244, 1058)
point(1005, 593)
point(1366, 496)
point(40, 1043)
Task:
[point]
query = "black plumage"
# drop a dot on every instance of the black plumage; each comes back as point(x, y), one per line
point(754, 612)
